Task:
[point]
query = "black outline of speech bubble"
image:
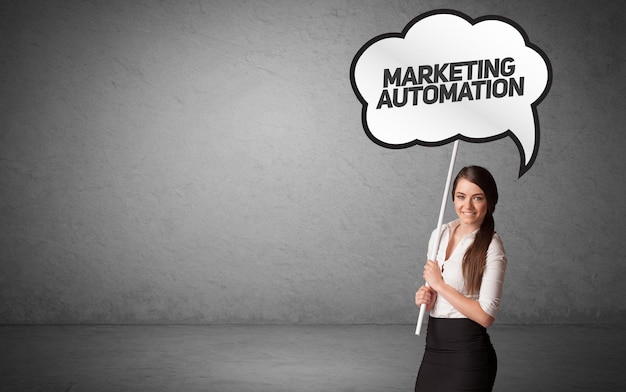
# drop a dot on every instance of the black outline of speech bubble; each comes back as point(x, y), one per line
point(523, 168)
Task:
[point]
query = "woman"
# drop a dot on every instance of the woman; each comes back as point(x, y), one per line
point(464, 290)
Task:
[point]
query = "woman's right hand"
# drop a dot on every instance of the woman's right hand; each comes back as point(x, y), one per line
point(425, 295)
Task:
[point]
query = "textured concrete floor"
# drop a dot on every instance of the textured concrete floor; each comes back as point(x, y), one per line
point(292, 358)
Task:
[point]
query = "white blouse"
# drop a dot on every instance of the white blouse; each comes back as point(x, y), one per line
point(493, 275)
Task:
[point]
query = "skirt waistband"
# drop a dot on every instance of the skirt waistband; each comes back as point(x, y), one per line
point(456, 334)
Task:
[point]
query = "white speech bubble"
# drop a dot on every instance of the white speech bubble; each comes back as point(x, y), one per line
point(447, 77)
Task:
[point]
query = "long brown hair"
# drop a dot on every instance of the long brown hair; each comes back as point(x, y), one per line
point(476, 255)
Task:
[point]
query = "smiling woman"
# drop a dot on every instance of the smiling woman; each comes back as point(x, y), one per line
point(464, 290)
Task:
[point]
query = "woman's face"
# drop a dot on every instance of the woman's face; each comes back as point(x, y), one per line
point(470, 203)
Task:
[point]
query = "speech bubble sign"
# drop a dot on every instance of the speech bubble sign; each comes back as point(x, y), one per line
point(447, 76)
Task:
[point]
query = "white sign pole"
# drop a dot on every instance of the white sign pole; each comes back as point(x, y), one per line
point(433, 255)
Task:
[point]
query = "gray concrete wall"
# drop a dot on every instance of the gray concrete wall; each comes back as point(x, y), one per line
point(204, 162)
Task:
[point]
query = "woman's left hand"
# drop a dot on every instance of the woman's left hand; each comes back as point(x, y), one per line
point(432, 275)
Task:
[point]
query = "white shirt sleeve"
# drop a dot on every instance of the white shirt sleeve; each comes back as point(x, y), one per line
point(493, 277)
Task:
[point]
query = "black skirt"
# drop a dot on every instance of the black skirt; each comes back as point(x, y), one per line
point(458, 357)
